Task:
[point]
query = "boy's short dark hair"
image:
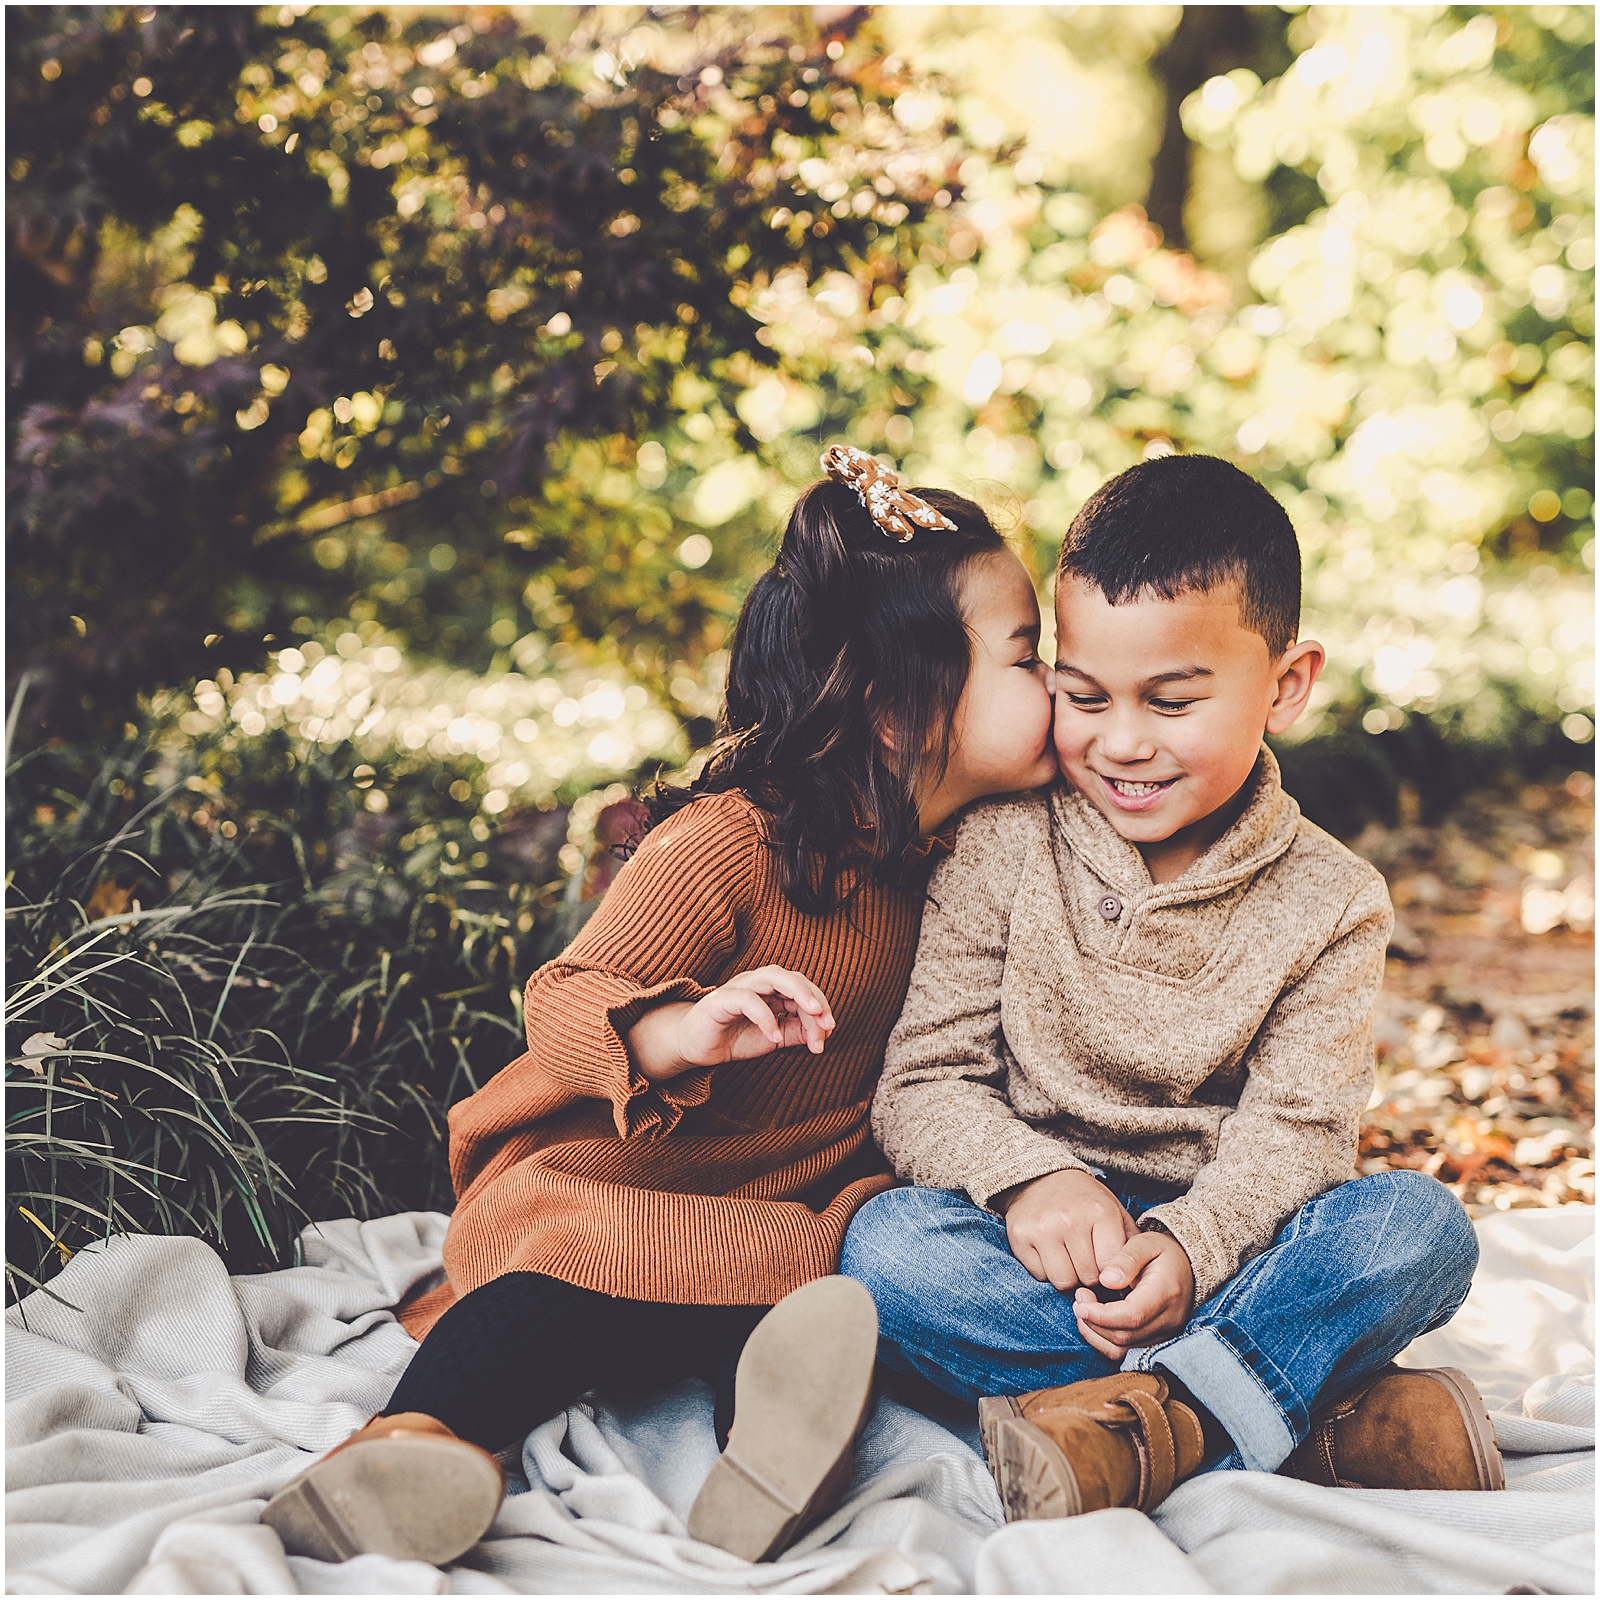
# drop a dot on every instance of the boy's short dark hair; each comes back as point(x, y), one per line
point(1185, 524)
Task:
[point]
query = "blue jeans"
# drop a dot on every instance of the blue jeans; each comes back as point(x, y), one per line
point(1351, 1279)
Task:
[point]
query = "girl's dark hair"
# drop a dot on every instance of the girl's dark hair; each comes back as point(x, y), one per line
point(846, 637)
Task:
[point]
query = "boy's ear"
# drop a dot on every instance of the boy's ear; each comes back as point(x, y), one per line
point(1295, 674)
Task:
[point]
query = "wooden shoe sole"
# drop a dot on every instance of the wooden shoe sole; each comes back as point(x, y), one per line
point(414, 1499)
point(801, 1394)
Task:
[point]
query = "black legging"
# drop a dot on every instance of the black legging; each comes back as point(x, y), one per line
point(520, 1348)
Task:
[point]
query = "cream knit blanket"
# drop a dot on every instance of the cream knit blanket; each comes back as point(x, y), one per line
point(146, 1430)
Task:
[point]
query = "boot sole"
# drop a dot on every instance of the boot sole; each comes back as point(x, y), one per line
point(801, 1393)
point(413, 1499)
point(1480, 1430)
point(992, 1411)
point(1035, 1479)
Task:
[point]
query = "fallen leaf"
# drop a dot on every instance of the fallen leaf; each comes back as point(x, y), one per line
point(1480, 1141)
point(1540, 1149)
point(40, 1044)
point(108, 899)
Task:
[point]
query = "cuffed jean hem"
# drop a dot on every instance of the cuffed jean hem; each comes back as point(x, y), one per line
point(1231, 1377)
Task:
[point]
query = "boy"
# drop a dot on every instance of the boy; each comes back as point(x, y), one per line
point(1132, 1060)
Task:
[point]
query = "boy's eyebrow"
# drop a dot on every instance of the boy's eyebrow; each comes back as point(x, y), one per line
point(1177, 675)
point(1180, 675)
point(1028, 630)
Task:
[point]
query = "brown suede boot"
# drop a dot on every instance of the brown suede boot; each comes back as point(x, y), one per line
point(403, 1486)
point(1401, 1429)
point(1117, 1441)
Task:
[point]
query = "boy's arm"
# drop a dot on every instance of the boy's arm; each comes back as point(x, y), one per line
point(1294, 1132)
point(941, 1113)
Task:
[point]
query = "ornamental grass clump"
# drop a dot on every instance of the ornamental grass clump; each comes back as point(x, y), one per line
point(230, 1013)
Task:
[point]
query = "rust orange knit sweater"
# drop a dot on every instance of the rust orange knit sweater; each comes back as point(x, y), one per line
point(729, 1185)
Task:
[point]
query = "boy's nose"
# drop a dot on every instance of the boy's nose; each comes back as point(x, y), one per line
point(1124, 743)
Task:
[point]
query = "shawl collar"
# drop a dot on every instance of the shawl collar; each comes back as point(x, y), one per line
point(1262, 832)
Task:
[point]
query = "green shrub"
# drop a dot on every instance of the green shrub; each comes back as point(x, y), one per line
point(229, 1013)
point(1346, 776)
point(248, 976)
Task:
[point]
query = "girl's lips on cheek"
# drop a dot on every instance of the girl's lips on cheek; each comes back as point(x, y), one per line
point(1133, 802)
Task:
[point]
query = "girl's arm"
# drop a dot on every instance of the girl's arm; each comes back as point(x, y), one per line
point(667, 934)
point(609, 1019)
point(752, 1014)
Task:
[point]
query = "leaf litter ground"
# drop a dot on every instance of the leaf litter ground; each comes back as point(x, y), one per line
point(1485, 1027)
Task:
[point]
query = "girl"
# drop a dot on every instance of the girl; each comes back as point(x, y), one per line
point(686, 1139)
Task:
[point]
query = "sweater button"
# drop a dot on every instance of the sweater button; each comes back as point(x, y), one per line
point(1111, 908)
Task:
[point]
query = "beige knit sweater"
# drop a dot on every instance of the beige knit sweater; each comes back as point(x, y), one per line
point(1214, 1031)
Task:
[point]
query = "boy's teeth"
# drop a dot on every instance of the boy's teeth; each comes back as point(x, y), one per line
point(1135, 790)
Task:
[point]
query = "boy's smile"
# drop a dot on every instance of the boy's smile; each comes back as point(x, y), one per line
point(1130, 796)
point(1160, 710)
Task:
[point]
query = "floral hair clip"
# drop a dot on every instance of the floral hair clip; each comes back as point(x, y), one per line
point(897, 512)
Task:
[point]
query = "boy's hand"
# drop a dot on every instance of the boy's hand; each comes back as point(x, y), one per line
point(1157, 1306)
point(1063, 1225)
point(752, 1014)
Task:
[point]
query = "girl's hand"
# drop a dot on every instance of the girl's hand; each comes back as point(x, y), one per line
point(1158, 1303)
point(752, 1014)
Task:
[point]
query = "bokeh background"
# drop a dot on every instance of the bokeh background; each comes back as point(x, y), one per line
point(402, 399)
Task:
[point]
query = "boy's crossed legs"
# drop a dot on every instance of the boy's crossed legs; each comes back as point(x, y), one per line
point(1350, 1280)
